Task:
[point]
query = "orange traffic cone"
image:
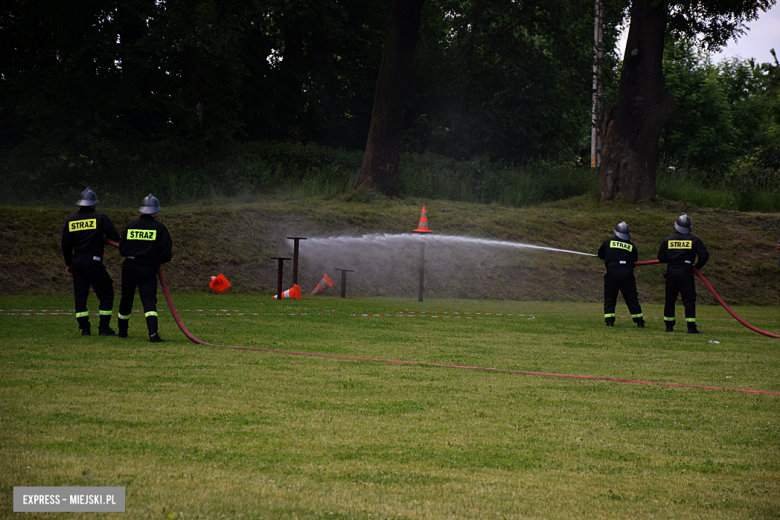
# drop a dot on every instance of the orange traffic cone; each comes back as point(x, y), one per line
point(294, 293)
point(423, 227)
point(324, 284)
point(219, 283)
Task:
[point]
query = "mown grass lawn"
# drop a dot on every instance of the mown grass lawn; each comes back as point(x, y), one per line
point(193, 431)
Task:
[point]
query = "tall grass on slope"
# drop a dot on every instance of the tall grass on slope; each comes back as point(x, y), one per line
point(746, 188)
point(122, 177)
point(479, 180)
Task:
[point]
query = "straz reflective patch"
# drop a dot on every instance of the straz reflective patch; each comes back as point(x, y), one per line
point(82, 225)
point(680, 244)
point(141, 234)
point(616, 244)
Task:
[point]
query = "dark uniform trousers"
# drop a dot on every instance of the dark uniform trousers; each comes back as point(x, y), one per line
point(143, 277)
point(679, 280)
point(623, 281)
point(89, 272)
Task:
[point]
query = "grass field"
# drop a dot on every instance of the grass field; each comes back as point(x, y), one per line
point(202, 432)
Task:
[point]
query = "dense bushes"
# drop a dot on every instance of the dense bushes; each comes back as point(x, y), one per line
point(721, 147)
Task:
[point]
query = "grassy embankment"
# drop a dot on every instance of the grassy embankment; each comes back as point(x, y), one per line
point(238, 237)
point(203, 432)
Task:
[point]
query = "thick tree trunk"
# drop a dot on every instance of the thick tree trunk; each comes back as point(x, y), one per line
point(383, 148)
point(631, 129)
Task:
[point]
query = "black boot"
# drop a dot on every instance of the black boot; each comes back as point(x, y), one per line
point(640, 323)
point(692, 329)
point(669, 326)
point(103, 327)
point(155, 338)
point(122, 328)
point(610, 322)
point(84, 325)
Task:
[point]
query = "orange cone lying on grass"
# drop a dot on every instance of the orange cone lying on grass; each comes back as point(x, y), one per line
point(324, 284)
point(219, 283)
point(294, 293)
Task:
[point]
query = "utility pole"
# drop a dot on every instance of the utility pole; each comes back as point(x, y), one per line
point(598, 49)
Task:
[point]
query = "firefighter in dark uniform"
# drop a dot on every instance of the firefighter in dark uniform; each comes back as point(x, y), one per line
point(82, 247)
point(145, 244)
point(681, 250)
point(619, 256)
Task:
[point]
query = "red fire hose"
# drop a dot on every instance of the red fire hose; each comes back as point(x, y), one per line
point(170, 304)
point(720, 300)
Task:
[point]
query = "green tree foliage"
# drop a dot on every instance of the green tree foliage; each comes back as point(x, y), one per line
point(701, 132)
point(112, 78)
point(192, 71)
point(768, 154)
point(323, 62)
point(724, 135)
point(511, 80)
point(632, 128)
point(726, 112)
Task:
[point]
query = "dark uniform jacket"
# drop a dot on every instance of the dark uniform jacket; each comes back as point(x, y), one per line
point(618, 254)
point(681, 250)
point(84, 232)
point(146, 241)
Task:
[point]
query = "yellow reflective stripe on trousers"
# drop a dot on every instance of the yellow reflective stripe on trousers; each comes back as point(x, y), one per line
point(123, 317)
point(690, 320)
point(151, 313)
point(640, 315)
point(105, 313)
point(82, 314)
point(609, 315)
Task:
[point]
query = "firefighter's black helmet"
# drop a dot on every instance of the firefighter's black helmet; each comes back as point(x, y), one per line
point(622, 231)
point(150, 205)
point(683, 224)
point(88, 198)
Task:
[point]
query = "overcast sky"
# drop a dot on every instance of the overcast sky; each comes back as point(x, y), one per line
point(764, 34)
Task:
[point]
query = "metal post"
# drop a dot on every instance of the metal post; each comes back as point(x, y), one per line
point(344, 280)
point(295, 257)
point(280, 274)
point(422, 272)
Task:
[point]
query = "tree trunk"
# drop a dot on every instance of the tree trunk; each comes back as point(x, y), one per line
point(631, 129)
point(383, 148)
